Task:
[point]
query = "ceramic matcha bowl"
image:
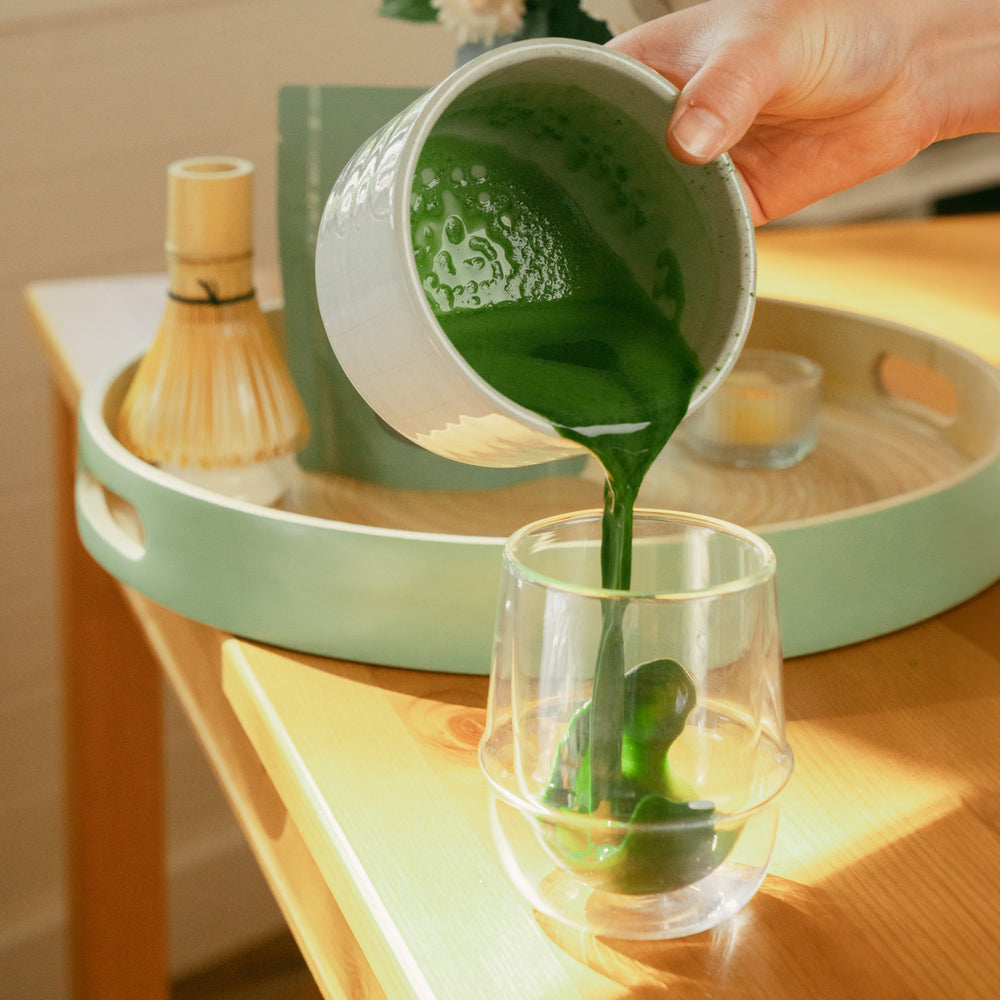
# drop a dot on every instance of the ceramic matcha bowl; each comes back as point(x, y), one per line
point(594, 122)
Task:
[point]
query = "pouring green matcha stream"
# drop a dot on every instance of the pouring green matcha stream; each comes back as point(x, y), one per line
point(545, 312)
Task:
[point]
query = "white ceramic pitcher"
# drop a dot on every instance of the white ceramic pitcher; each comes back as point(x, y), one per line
point(377, 317)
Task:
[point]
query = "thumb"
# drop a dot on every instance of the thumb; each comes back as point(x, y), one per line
point(727, 72)
point(719, 104)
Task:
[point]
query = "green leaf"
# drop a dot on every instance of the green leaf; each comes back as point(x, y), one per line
point(567, 20)
point(408, 10)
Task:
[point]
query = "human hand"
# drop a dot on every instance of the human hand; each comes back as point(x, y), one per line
point(814, 96)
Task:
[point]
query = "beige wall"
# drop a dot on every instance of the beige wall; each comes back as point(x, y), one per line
point(97, 97)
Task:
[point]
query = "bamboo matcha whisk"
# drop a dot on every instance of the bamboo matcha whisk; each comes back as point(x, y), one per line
point(213, 400)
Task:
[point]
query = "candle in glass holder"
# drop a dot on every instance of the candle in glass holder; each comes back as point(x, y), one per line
point(765, 414)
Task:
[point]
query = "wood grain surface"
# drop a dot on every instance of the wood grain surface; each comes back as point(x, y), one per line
point(863, 457)
point(901, 413)
point(885, 881)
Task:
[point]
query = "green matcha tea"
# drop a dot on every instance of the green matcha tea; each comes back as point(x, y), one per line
point(534, 243)
point(529, 290)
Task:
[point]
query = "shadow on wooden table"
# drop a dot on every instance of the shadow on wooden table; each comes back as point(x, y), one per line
point(785, 929)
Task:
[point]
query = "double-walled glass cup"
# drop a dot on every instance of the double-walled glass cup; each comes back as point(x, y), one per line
point(635, 742)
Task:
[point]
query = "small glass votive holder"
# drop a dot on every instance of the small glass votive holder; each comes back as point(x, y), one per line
point(765, 415)
point(634, 747)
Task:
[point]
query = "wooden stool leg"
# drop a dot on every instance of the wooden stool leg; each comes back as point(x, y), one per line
point(114, 772)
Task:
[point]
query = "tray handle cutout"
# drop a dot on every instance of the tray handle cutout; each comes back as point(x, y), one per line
point(112, 518)
point(920, 388)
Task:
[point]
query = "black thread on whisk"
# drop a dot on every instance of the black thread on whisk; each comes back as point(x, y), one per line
point(212, 297)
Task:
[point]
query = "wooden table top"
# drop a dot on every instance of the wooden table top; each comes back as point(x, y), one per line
point(359, 789)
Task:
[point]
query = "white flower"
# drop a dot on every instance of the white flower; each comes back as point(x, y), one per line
point(621, 15)
point(480, 20)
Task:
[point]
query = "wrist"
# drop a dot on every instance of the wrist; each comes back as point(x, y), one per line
point(959, 55)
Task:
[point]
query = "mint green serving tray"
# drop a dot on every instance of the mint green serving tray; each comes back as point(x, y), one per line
point(894, 518)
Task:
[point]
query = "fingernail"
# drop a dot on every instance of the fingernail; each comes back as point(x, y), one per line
point(699, 133)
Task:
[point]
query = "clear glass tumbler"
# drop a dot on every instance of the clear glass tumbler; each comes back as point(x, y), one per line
point(635, 741)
